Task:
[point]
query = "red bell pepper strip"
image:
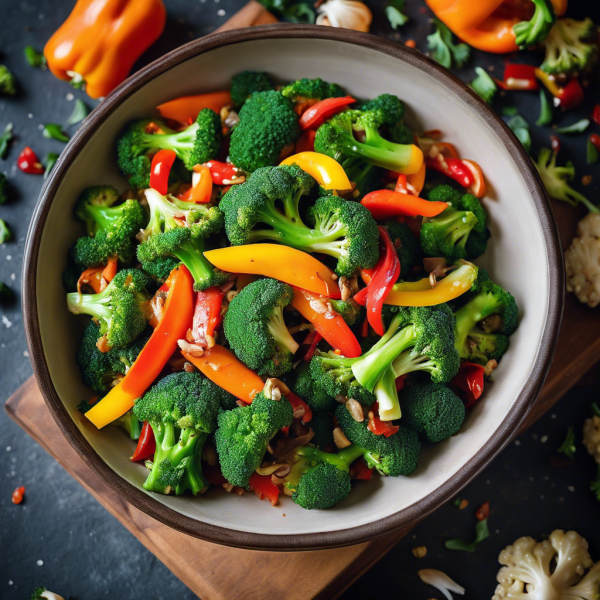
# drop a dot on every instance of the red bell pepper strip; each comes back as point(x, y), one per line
point(146, 445)
point(297, 402)
point(384, 204)
point(519, 77)
point(161, 169)
point(327, 322)
point(453, 168)
point(29, 163)
point(207, 314)
point(570, 96)
point(377, 426)
point(468, 383)
point(223, 173)
point(313, 346)
point(596, 114)
point(386, 273)
point(213, 474)
point(318, 113)
point(264, 488)
point(400, 383)
point(359, 470)
point(176, 320)
point(306, 143)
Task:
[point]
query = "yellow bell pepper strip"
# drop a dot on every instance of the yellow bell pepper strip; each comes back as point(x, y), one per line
point(566, 97)
point(187, 108)
point(327, 322)
point(225, 370)
point(176, 320)
point(279, 262)
point(328, 172)
point(101, 40)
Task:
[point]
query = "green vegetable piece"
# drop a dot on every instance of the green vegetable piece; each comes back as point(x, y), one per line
point(8, 83)
point(244, 84)
point(394, 13)
point(483, 85)
point(510, 111)
point(34, 58)
point(54, 131)
point(5, 234)
point(578, 127)
point(568, 447)
point(520, 127)
point(80, 112)
point(5, 140)
point(50, 161)
point(592, 153)
point(534, 31)
point(311, 89)
point(545, 117)
point(482, 532)
point(445, 51)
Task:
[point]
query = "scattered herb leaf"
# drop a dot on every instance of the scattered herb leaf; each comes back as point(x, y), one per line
point(34, 58)
point(297, 12)
point(80, 112)
point(510, 111)
point(5, 234)
point(5, 139)
point(520, 128)
point(481, 533)
point(457, 501)
point(50, 161)
point(6, 294)
point(578, 127)
point(545, 117)
point(445, 51)
point(394, 13)
point(568, 447)
point(54, 131)
point(592, 153)
point(483, 85)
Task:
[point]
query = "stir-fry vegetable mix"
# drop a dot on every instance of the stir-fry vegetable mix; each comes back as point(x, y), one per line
point(284, 299)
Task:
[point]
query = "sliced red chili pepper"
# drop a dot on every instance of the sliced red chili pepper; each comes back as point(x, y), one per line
point(207, 314)
point(306, 143)
point(285, 431)
point(570, 96)
point(377, 426)
point(296, 403)
point(264, 488)
point(468, 383)
point(29, 163)
point(161, 169)
point(400, 383)
point(453, 168)
point(318, 113)
point(311, 351)
point(359, 470)
point(595, 139)
point(223, 173)
point(364, 330)
point(483, 512)
point(146, 445)
point(385, 274)
point(555, 143)
point(596, 114)
point(213, 474)
point(18, 494)
point(519, 77)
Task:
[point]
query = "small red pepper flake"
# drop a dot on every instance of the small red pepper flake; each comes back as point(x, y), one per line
point(596, 114)
point(555, 143)
point(18, 494)
point(483, 512)
point(29, 163)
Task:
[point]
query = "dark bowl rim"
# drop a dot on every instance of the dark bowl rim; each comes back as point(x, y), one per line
point(309, 541)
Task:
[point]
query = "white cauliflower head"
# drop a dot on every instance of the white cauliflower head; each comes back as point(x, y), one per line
point(582, 261)
point(591, 436)
point(348, 14)
point(550, 570)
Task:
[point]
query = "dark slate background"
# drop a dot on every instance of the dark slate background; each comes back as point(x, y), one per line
point(62, 538)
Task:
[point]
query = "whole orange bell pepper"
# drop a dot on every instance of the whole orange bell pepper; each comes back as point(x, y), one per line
point(489, 24)
point(101, 40)
point(176, 320)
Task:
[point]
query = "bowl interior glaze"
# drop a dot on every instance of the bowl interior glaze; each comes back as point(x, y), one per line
point(523, 243)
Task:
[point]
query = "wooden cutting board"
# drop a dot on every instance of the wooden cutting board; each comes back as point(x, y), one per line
point(219, 573)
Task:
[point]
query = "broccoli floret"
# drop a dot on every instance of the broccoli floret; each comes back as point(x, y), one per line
point(267, 125)
point(336, 138)
point(315, 396)
point(449, 234)
point(5, 232)
point(243, 85)
point(406, 244)
point(534, 31)
point(417, 339)
point(122, 308)
point(311, 89)
point(366, 177)
point(99, 370)
point(37, 593)
point(473, 342)
point(244, 433)
point(395, 455)
point(350, 310)
point(556, 180)
point(434, 411)
point(182, 410)
point(3, 189)
point(391, 107)
point(8, 83)
point(322, 426)
point(337, 227)
point(161, 267)
point(255, 328)
point(166, 236)
point(6, 294)
point(400, 134)
point(196, 144)
point(111, 228)
point(570, 47)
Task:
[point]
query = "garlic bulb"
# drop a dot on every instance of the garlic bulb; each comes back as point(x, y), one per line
point(347, 14)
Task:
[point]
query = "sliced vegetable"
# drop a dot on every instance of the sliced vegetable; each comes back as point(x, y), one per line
point(468, 382)
point(482, 532)
point(296, 403)
point(451, 167)
point(377, 426)
point(317, 114)
point(5, 139)
point(520, 77)
point(264, 488)
point(483, 85)
point(224, 173)
point(80, 112)
point(578, 127)
point(443, 48)
point(161, 169)
point(29, 163)
point(280, 262)
point(35, 59)
point(50, 161)
point(520, 127)
point(306, 143)
point(328, 172)
point(596, 114)
point(187, 108)
point(5, 233)
point(593, 149)
point(384, 204)
point(207, 315)
point(545, 117)
point(146, 445)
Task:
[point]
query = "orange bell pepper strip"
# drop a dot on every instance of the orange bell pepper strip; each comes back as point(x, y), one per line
point(223, 368)
point(279, 262)
point(176, 320)
point(188, 108)
point(200, 192)
point(328, 172)
point(417, 180)
point(101, 40)
point(93, 278)
point(332, 327)
point(383, 204)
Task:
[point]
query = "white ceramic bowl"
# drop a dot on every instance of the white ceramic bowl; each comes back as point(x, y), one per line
point(524, 255)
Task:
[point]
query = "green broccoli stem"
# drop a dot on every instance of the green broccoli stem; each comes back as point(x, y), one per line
point(387, 396)
point(104, 216)
point(175, 451)
point(191, 254)
point(279, 331)
point(457, 225)
point(408, 362)
point(480, 307)
point(528, 33)
point(95, 305)
point(182, 142)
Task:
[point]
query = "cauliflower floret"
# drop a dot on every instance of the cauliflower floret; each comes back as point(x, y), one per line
point(591, 436)
point(550, 570)
point(348, 14)
point(582, 261)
